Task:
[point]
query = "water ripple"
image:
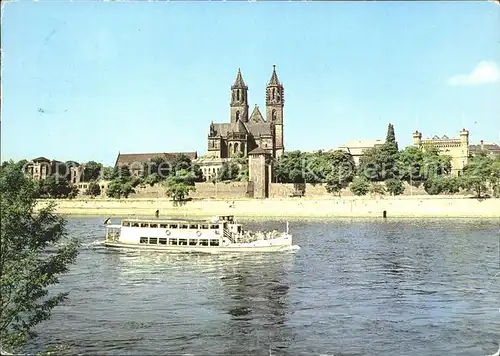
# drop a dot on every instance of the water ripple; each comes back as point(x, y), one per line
point(356, 287)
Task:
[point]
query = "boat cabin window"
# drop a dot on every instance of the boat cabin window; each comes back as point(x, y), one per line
point(144, 225)
point(153, 225)
point(192, 242)
point(143, 240)
point(172, 241)
point(193, 226)
point(204, 242)
point(214, 226)
point(162, 240)
point(172, 226)
point(163, 226)
point(184, 226)
point(153, 240)
point(135, 224)
point(183, 242)
point(204, 226)
point(126, 223)
point(214, 242)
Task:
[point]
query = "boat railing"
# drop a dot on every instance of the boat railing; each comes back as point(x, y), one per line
point(229, 235)
point(112, 233)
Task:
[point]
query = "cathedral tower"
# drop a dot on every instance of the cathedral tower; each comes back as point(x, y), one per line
point(275, 100)
point(239, 100)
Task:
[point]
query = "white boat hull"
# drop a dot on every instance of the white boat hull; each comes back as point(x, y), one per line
point(220, 234)
point(204, 249)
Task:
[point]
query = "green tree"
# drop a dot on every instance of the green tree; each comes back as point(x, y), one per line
point(179, 185)
point(107, 173)
point(410, 165)
point(93, 189)
point(359, 186)
point(495, 177)
point(35, 252)
point(434, 185)
point(228, 172)
point(369, 165)
point(478, 173)
point(289, 168)
point(57, 187)
point(435, 164)
point(394, 186)
point(120, 189)
point(376, 189)
point(121, 173)
point(388, 155)
point(242, 163)
point(92, 171)
point(181, 162)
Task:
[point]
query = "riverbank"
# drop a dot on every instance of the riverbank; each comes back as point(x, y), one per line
point(415, 206)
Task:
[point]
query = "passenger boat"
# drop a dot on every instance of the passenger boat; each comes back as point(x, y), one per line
point(219, 234)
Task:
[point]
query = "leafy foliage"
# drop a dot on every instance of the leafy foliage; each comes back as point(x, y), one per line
point(228, 172)
point(56, 187)
point(289, 167)
point(35, 252)
point(376, 189)
point(478, 173)
point(360, 186)
point(179, 185)
point(388, 155)
point(94, 189)
point(394, 186)
point(381, 163)
point(92, 171)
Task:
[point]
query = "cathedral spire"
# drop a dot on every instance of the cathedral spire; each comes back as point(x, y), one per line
point(274, 78)
point(239, 83)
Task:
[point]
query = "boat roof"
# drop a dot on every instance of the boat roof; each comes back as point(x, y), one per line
point(187, 220)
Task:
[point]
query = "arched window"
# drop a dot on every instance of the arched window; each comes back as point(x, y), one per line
point(274, 92)
point(243, 147)
point(238, 95)
point(237, 116)
point(273, 115)
point(236, 147)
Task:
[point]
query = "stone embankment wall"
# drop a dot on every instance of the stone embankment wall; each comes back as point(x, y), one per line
point(239, 190)
point(230, 190)
point(415, 206)
point(280, 190)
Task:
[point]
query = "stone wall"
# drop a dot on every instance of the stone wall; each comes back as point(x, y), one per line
point(285, 190)
point(239, 190)
point(230, 190)
point(222, 190)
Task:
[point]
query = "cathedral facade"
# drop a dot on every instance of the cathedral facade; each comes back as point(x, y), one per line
point(246, 132)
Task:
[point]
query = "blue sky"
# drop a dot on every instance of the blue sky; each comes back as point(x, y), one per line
point(84, 80)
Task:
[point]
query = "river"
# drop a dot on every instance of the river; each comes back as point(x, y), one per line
point(356, 287)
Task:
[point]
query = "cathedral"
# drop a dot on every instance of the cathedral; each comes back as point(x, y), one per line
point(246, 132)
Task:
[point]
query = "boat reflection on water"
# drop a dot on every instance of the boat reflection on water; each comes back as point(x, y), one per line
point(245, 294)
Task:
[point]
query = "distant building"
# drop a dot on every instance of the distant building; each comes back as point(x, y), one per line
point(487, 148)
point(135, 161)
point(357, 147)
point(76, 173)
point(210, 166)
point(41, 168)
point(246, 132)
point(457, 148)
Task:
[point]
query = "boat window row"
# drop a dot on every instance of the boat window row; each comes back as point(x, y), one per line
point(178, 242)
point(172, 226)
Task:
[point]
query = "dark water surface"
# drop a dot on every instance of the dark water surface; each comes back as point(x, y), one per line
point(356, 287)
